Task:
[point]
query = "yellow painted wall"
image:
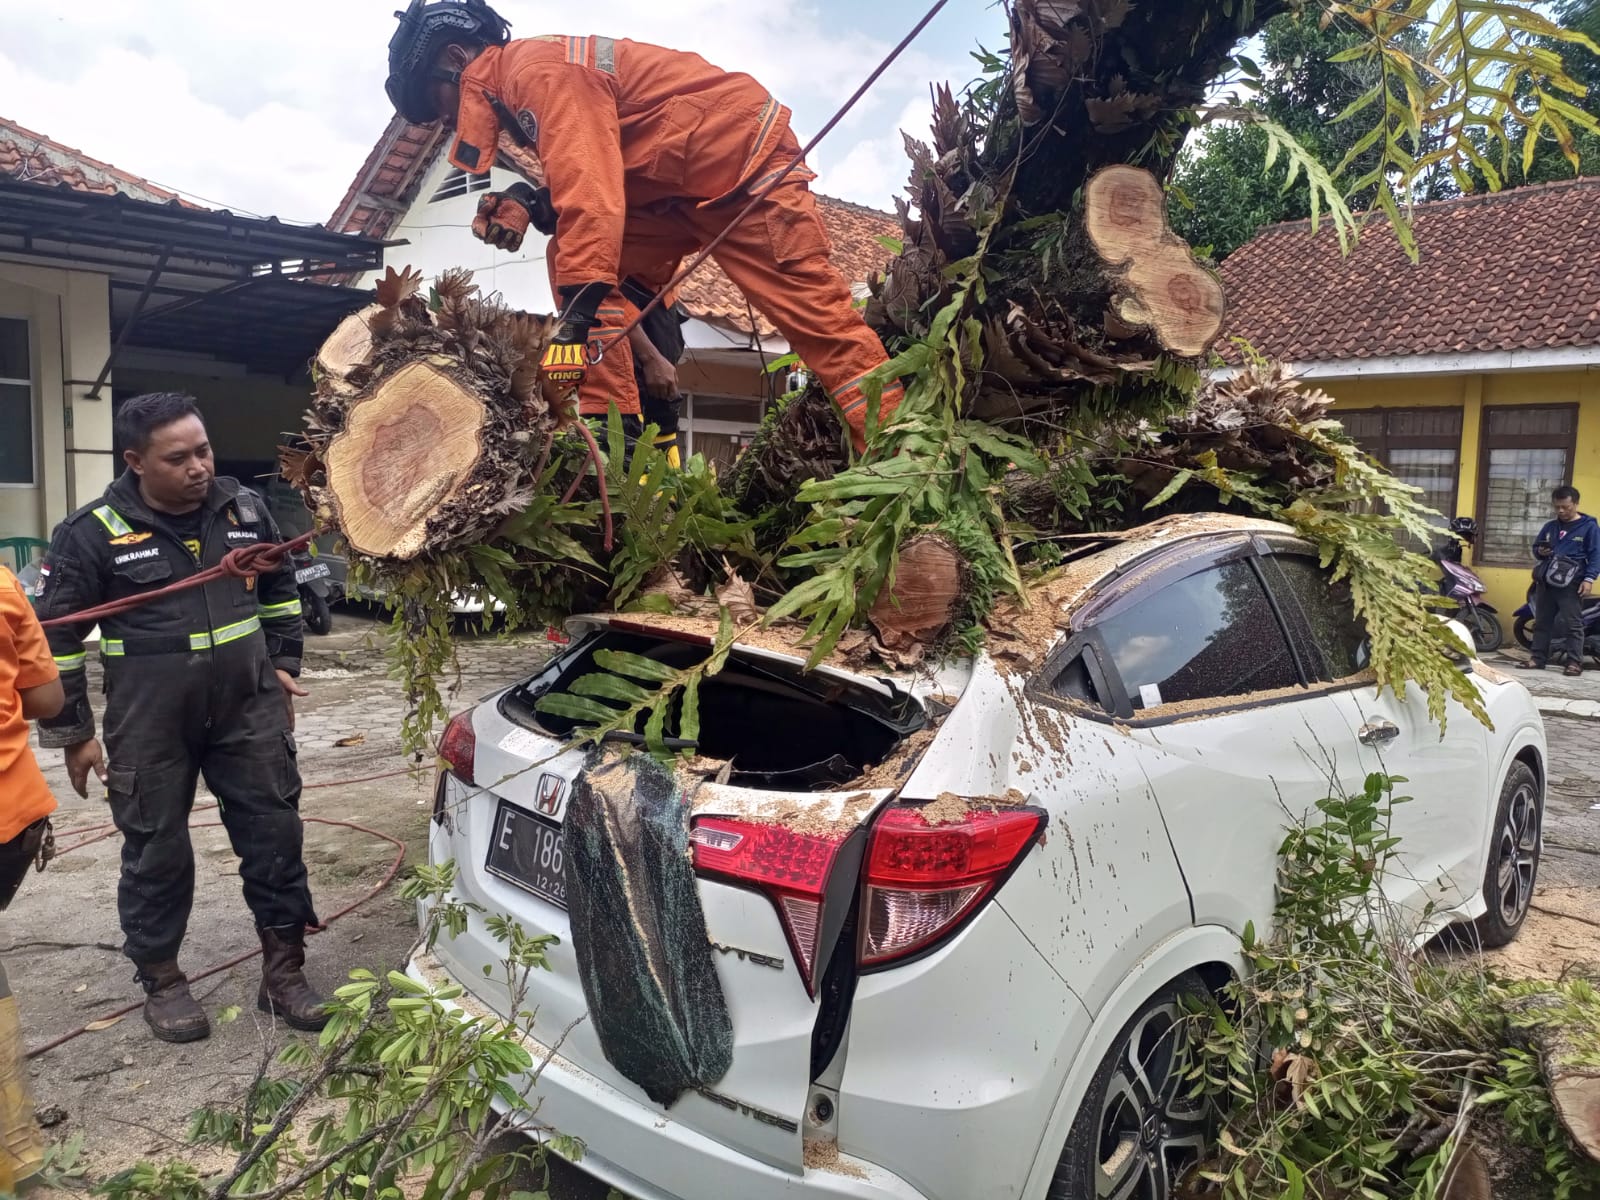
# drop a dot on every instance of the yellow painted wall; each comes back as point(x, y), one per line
point(1507, 585)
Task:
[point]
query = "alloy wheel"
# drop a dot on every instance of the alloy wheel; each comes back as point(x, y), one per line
point(1151, 1129)
point(1517, 854)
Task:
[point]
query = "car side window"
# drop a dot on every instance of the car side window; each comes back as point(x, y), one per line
point(1207, 636)
point(1338, 634)
point(1073, 681)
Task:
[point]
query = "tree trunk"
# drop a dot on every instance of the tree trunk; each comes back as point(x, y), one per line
point(407, 448)
point(429, 426)
point(1158, 284)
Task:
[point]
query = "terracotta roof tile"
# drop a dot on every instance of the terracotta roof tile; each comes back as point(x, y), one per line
point(854, 231)
point(387, 182)
point(1514, 270)
point(31, 157)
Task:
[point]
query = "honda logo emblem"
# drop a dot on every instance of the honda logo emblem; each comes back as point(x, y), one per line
point(550, 787)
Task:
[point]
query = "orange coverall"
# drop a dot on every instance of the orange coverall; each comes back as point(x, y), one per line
point(649, 154)
point(611, 379)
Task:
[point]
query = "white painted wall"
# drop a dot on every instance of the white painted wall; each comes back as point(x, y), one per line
point(69, 316)
point(440, 234)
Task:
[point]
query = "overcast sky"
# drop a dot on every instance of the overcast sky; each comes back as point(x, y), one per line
point(270, 107)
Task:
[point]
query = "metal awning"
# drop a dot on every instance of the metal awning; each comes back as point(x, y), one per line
point(239, 289)
point(270, 325)
point(108, 231)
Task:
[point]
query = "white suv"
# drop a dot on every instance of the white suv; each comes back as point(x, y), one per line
point(952, 915)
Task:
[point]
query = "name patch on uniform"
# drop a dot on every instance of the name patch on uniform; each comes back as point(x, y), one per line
point(136, 555)
point(241, 535)
point(131, 539)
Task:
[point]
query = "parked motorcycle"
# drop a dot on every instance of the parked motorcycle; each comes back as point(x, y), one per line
point(1462, 584)
point(1522, 628)
point(315, 591)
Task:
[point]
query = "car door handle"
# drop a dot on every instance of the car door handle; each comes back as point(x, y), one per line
point(1375, 733)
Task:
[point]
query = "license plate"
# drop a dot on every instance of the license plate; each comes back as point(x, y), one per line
point(315, 571)
point(528, 851)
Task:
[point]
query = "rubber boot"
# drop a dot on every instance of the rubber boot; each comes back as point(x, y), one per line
point(284, 990)
point(171, 1012)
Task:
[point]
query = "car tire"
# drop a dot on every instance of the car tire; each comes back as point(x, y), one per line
point(1513, 866)
point(1138, 1130)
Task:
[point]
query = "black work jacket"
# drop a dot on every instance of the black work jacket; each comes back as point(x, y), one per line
point(117, 547)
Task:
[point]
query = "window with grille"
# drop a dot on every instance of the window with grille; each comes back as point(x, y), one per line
point(1420, 446)
point(458, 183)
point(16, 404)
point(1527, 452)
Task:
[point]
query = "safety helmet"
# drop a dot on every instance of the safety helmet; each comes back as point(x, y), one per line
point(1464, 528)
point(424, 27)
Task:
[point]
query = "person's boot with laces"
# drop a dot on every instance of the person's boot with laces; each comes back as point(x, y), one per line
point(171, 1012)
point(284, 990)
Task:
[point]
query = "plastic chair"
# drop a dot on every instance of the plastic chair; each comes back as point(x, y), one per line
point(22, 551)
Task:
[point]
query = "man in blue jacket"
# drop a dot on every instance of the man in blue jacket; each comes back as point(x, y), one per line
point(1567, 554)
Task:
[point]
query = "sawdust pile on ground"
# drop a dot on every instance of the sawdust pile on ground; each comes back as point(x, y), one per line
point(824, 1156)
point(1563, 928)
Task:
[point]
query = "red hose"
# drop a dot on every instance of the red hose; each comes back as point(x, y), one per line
point(100, 833)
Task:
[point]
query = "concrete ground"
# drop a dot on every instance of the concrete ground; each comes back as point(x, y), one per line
point(130, 1097)
point(1564, 926)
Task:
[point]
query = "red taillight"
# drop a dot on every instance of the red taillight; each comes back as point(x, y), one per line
point(458, 746)
point(791, 868)
point(922, 881)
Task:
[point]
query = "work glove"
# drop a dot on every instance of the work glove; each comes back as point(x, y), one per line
point(503, 217)
point(566, 358)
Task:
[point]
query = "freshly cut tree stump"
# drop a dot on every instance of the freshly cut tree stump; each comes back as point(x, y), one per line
point(429, 426)
point(927, 589)
point(347, 348)
point(406, 451)
point(1160, 285)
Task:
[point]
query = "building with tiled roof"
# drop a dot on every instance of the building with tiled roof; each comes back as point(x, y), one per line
point(858, 252)
point(407, 189)
point(112, 285)
point(30, 157)
point(1472, 373)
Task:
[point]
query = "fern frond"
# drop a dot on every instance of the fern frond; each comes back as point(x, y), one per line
point(1299, 161)
point(1485, 70)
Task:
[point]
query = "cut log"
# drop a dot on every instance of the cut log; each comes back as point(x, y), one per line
point(349, 347)
point(429, 426)
point(1467, 1176)
point(406, 450)
point(1574, 1086)
point(1564, 1053)
point(927, 590)
point(1159, 284)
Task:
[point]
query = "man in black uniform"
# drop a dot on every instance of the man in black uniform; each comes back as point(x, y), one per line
point(658, 347)
point(200, 682)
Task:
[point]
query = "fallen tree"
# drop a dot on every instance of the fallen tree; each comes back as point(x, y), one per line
point(1053, 335)
point(1390, 1073)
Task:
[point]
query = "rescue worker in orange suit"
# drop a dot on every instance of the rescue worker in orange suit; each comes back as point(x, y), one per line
point(650, 154)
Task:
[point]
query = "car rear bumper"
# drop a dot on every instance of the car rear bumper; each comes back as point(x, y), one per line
point(644, 1152)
